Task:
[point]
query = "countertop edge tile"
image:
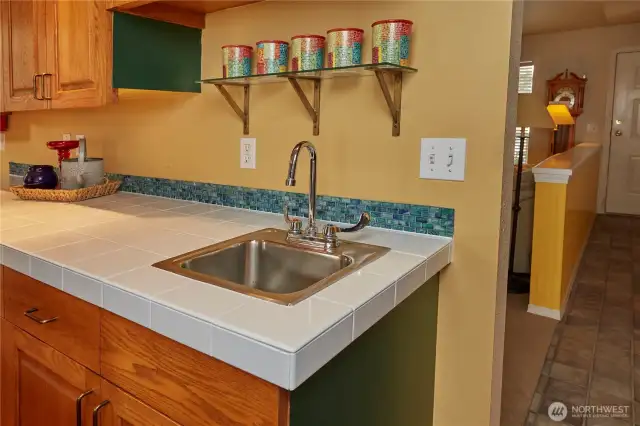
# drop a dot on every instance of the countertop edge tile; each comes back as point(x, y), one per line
point(410, 282)
point(127, 305)
point(46, 272)
point(15, 259)
point(82, 287)
point(180, 327)
point(310, 358)
point(254, 357)
point(373, 311)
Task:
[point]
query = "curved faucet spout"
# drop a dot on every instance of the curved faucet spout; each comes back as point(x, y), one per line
point(291, 178)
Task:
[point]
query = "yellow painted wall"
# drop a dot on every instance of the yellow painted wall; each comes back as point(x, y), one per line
point(547, 250)
point(460, 91)
point(563, 217)
point(580, 214)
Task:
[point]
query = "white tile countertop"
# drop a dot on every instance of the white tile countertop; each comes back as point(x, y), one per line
point(101, 251)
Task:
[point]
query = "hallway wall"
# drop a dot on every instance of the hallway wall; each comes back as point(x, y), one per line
point(590, 52)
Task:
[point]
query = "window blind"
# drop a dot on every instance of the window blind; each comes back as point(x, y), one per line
point(525, 147)
point(525, 80)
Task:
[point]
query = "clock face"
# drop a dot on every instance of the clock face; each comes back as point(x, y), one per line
point(565, 94)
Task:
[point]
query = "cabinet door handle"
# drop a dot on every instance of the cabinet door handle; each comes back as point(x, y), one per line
point(96, 412)
point(35, 86)
point(29, 314)
point(79, 406)
point(47, 85)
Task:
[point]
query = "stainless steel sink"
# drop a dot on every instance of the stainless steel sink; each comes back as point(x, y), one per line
point(263, 264)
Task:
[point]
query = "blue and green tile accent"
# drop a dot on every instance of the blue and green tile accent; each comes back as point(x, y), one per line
point(399, 216)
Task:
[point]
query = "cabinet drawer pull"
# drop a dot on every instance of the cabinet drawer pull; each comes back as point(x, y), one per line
point(29, 314)
point(96, 412)
point(79, 406)
point(46, 84)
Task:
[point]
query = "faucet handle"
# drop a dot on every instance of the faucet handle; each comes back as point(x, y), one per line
point(295, 224)
point(330, 230)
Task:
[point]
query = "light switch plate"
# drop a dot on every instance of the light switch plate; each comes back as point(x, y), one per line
point(247, 153)
point(443, 158)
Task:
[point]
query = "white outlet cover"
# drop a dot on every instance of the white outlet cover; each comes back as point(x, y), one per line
point(66, 136)
point(443, 158)
point(247, 153)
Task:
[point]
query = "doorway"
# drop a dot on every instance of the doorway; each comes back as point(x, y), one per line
point(623, 183)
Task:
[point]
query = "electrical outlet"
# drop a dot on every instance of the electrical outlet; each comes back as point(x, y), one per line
point(247, 153)
point(66, 136)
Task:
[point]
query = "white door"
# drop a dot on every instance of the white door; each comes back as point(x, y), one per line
point(623, 186)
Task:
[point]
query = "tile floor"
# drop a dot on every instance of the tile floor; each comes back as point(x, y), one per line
point(594, 356)
point(527, 338)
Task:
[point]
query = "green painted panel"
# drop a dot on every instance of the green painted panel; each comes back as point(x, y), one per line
point(385, 378)
point(155, 55)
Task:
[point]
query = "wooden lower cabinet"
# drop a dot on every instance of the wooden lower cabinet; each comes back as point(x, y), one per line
point(41, 386)
point(122, 409)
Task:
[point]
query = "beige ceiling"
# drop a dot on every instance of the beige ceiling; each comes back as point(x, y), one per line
point(545, 16)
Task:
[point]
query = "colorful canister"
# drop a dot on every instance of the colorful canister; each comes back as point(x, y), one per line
point(272, 56)
point(391, 40)
point(307, 52)
point(236, 60)
point(344, 47)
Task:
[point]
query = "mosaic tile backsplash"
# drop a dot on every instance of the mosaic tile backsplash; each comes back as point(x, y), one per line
point(399, 216)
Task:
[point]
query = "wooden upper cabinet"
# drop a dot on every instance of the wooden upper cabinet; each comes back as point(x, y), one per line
point(23, 45)
point(78, 53)
point(125, 410)
point(41, 386)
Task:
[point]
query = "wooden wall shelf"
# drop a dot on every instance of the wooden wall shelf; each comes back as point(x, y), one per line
point(389, 77)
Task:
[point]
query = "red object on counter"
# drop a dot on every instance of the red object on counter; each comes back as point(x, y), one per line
point(4, 122)
point(64, 149)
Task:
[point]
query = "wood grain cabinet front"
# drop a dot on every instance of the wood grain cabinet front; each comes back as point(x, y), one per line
point(118, 408)
point(68, 324)
point(23, 45)
point(41, 386)
point(56, 54)
point(190, 387)
point(78, 53)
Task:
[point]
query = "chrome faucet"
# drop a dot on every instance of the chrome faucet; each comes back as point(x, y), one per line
point(328, 239)
point(291, 180)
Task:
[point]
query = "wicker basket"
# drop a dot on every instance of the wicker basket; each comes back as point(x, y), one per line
point(67, 195)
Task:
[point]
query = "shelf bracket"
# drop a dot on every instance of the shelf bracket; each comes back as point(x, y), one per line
point(313, 110)
point(393, 102)
point(243, 114)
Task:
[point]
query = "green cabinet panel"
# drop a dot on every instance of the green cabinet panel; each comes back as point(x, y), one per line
point(384, 378)
point(155, 55)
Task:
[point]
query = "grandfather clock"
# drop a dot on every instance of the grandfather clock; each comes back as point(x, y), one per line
point(567, 88)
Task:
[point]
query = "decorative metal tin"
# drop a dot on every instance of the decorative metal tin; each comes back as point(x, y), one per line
point(344, 47)
point(391, 39)
point(307, 52)
point(272, 56)
point(236, 60)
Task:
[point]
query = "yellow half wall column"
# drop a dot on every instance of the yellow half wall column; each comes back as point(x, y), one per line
point(564, 212)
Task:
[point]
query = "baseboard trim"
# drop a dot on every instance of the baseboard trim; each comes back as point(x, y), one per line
point(545, 312)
